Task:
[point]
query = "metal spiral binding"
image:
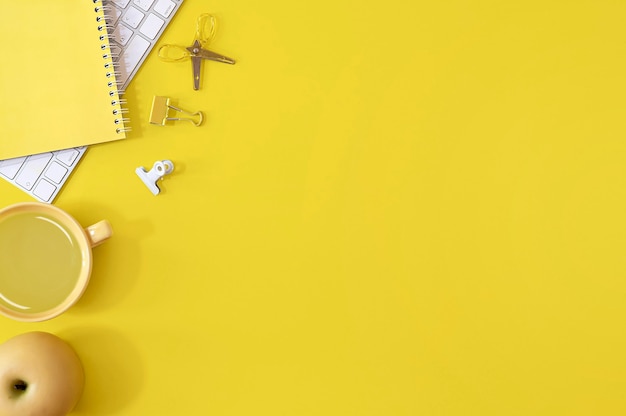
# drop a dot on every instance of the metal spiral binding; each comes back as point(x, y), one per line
point(111, 67)
point(120, 101)
point(121, 120)
point(120, 111)
point(111, 55)
point(104, 7)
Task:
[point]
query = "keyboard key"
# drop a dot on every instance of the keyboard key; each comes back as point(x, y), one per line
point(121, 3)
point(152, 25)
point(164, 7)
point(133, 17)
point(55, 172)
point(67, 156)
point(122, 34)
point(144, 4)
point(32, 170)
point(9, 167)
point(44, 190)
point(132, 56)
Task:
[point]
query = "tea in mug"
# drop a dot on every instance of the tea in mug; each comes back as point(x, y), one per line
point(40, 262)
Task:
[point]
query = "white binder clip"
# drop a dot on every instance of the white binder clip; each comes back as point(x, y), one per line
point(150, 178)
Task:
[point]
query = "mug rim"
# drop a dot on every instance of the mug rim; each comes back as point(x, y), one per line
point(72, 225)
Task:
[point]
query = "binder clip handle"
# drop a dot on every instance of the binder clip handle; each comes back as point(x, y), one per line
point(160, 113)
point(197, 114)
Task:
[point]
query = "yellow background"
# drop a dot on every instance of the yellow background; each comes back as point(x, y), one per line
point(394, 208)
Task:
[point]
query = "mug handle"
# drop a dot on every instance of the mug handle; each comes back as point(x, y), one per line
point(99, 232)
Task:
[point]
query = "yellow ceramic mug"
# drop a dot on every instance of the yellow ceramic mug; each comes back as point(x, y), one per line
point(45, 260)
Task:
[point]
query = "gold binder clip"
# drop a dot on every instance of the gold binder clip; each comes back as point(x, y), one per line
point(160, 111)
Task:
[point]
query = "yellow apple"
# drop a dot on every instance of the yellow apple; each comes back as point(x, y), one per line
point(40, 375)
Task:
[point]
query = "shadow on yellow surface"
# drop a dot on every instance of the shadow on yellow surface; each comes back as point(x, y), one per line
point(115, 370)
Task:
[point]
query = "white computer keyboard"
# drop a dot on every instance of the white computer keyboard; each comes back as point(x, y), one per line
point(134, 28)
point(41, 175)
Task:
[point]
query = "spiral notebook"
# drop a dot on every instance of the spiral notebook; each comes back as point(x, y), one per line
point(57, 78)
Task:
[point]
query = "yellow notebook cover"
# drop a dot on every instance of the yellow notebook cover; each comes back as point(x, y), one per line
point(56, 77)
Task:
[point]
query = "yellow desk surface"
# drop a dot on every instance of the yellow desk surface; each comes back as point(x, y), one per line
point(394, 208)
